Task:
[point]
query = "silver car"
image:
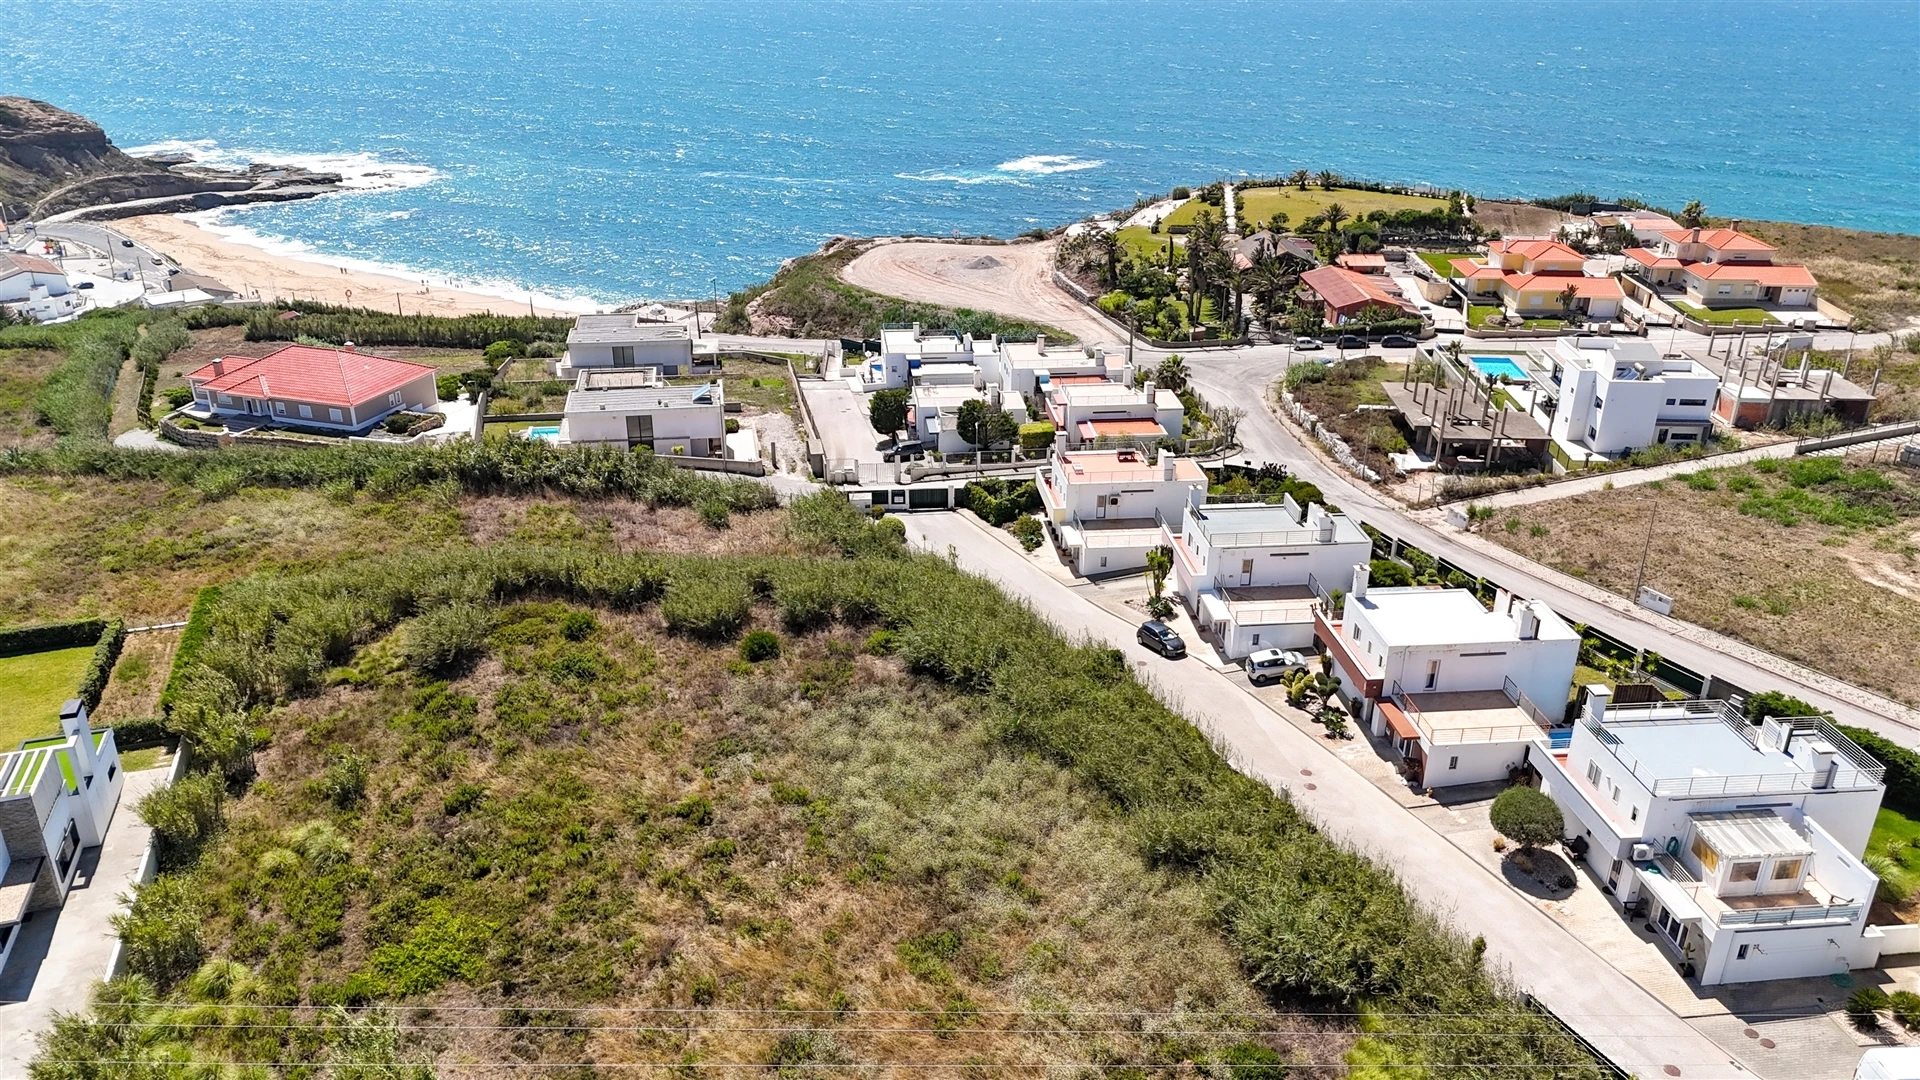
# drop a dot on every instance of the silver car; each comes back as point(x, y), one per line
point(1272, 665)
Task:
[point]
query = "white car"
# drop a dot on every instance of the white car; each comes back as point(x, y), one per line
point(1272, 665)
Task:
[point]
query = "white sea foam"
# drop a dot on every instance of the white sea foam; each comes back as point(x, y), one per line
point(222, 223)
point(358, 171)
point(1047, 164)
point(933, 176)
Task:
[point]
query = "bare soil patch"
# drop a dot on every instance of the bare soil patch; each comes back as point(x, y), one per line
point(1519, 219)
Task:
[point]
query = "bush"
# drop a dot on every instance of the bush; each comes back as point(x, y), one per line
point(1905, 1006)
point(447, 640)
point(715, 515)
point(505, 350)
point(193, 638)
point(709, 605)
point(161, 930)
point(999, 501)
point(887, 410)
point(1903, 768)
point(732, 425)
point(882, 642)
point(1527, 817)
point(183, 813)
point(1864, 1006)
point(760, 645)
point(344, 781)
point(1770, 703)
point(1036, 435)
point(40, 637)
point(1028, 530)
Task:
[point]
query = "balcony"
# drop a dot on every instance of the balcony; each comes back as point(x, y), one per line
point(1355, 666)
point(1457, 717)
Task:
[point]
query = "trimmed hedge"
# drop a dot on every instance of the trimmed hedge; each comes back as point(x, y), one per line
point(40, 637)
point(106, 652)
point(193, 638)
point(1903, 768)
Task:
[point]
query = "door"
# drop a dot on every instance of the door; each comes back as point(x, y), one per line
point(1246, 571)
point(1100, 506)
point(1433, 674)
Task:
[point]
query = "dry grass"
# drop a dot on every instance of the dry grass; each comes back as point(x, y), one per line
point(1844, 601)
point(627, 526)
point(138, 676)
point(21, 373)
point(1518, 219)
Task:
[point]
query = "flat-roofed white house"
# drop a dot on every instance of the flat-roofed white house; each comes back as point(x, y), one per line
point(1245, 570)
point(1101, 413)
point(1723, 268)
point(343, 390)
point(1104, 508)
point(627, 409)
point(624, 340)
point(1618, 395)
point(933, 413)
point(916, 356)
point(57, 797)
point(1032, 367)
point(1737, 845)
point(1463, 693)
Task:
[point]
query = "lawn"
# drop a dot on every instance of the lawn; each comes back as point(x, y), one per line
point(1478, 314)
point(33, 686)
point(1263, 202)
point(1143, 243)
point(1724, 316)
point(1836, 589)
point(1897, 836)
point(1442, 261)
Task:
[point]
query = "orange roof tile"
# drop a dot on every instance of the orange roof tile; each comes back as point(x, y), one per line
point(1768, 274)
point(1591, 288)
point(1535, 249)
point(309, 373)
point(1718, 239)
point(1342, 288)
point(1653, 260)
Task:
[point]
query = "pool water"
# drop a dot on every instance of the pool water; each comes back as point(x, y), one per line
point(1495, 366)
point(544, 432)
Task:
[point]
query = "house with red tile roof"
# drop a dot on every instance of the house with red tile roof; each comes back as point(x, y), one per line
point(1345, 295)
point(1531, 278)
point(1722, 268)
point(311, 386)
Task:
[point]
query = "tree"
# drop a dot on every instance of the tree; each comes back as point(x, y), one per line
point(1693, 215)
point(985, 426)
point(1107, 248)
point(1172, 373)
point(1527, 817)
point(1328, 179)
point(1300, 178)
point(1159, 565)
point(888, 410)
point(1567, 297)
point(1333, 215)
point(1769, 703)
point(1389, 574)
point(1278, 222)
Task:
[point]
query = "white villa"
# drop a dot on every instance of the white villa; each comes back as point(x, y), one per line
point(36, 288)
point(1035, 367)
point(623, 340)
point(1618, 395)
point(1245, 570)
point(1104, 508)
point(632, 408)
point(1737, 845)
point(57, 796)
point(1723, 268)
point(916, 356)
point(934, 413)
point(1464, 692)
point(1101, 413)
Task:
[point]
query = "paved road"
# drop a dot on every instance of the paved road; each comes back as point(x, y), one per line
point(1624, 1021)
point(148, 263)
point(1242, 376)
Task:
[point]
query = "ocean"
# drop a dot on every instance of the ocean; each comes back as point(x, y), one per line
point(616, 151)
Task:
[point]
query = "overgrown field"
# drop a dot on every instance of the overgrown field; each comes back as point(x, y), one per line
point(1868, 273)
point(1816, 559)
point(841, 810)
point(808, 299)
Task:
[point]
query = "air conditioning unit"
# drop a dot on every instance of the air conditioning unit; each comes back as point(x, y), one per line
point(1642, 852)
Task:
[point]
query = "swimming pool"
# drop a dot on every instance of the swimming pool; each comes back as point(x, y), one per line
point(1495, 366)
point(543, 432)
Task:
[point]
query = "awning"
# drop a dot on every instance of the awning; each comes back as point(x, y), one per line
point(1397, 720)
point(1673, 898)
point(1212, 608)
point(1749, 834)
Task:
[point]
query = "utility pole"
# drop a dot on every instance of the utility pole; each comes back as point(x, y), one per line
point(1653, 511)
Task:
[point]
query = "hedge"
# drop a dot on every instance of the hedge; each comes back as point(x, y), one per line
point(1036, 435)
point(193, 638)
point(100, 666)
point(1903, 768)
point(15, 640)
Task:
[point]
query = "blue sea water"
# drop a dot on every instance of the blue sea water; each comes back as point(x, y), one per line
point(615, 150)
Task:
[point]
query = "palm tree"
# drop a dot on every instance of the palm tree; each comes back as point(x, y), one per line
point(1105, 245)
point(1333, 216)
point(1329, 179)
point(1567, 297)
point(1172, 373)
point(1205, 242)
point(1272, 278)
point(1693, 215)
point(1299, 178)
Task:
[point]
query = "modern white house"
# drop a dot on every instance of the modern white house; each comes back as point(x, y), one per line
point(1463, 693)
point(1245, 570)
point(310, 386)
point(916, 356)
point(37, 288)
point(57, 796)
point(1618, 395)
point(1104, 508)
point(624, 340)
point(1101, 413)
point(632, 408)
point(1723, 268)
point(1033, 367)
point(933, 413)
point(1737, 845)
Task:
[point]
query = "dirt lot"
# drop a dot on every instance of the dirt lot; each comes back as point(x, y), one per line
point(1518, 219)
point(1838, 589)
point(1008, 279)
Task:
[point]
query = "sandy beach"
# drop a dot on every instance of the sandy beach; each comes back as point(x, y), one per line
point(253, 270)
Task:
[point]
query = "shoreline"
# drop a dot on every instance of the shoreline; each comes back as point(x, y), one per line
point(254, 270)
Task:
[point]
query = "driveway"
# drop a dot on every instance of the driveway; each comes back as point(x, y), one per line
point(1623, 1020)
point(61, 954)
point(840, 412)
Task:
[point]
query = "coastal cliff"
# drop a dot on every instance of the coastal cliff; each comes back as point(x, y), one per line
point(52, 160)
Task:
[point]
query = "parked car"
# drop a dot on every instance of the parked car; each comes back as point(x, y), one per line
point(126, 243)
point(83, 284)
point(1398, 341)
point(1272, 665)
point(1305, 344)
point(911, 450)
point(1350, 341)
point(1162, 639)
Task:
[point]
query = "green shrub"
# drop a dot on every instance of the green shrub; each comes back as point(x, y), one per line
point(887, 410)
point(882, 642)
point(1036, 435)
point(1864, 1006)
point(160, 931)
point(1905, 1006)
point(505, 350)
point(578, 625)
point(1903, 768)
point(443, 947)
point(710, 605)
point(1028, 530)
point(760, 645)
point(76, 398)
point(715, 515)
point(184, 813)
point(1527, 816)
point(1768, 703)
point(344, 781)
point(447, 640)
point(462, 798)
point(41, 637)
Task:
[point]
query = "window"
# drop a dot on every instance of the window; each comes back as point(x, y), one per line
point(1670, 401)
point(1725, 290)
point(306, 411)
point(1103, 560)
point(1592, 434)
point(623, 354)
point(1453, 762)
point(1433, 674)
point(1709, 858)
point(335, 415)
point(1616, 794)
point(1256, 641)
point(280, 408)
point(1741, 953)
point(1691, 401)
point(1598, 404)
point(1744, 871)
point(1786, 869)
point(394, 398)
point(1593, 773)
point(226, 399)
point(1634, 815)
point(111, 769)
point(69, 847)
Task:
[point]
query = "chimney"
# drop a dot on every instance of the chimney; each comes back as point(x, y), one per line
point(73, 724)
point(1326, 528)
point(919, 331)
point(1823, 761)
point(1598, 698)
point(219, 365)
point(1148, 389)
point(1168, 463)
point(1040, 342)
point(1360, 575)
point(1693, 235)
point(1526, 620)
point(346, 346)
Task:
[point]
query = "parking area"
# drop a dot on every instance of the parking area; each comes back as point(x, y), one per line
point(841, 414)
